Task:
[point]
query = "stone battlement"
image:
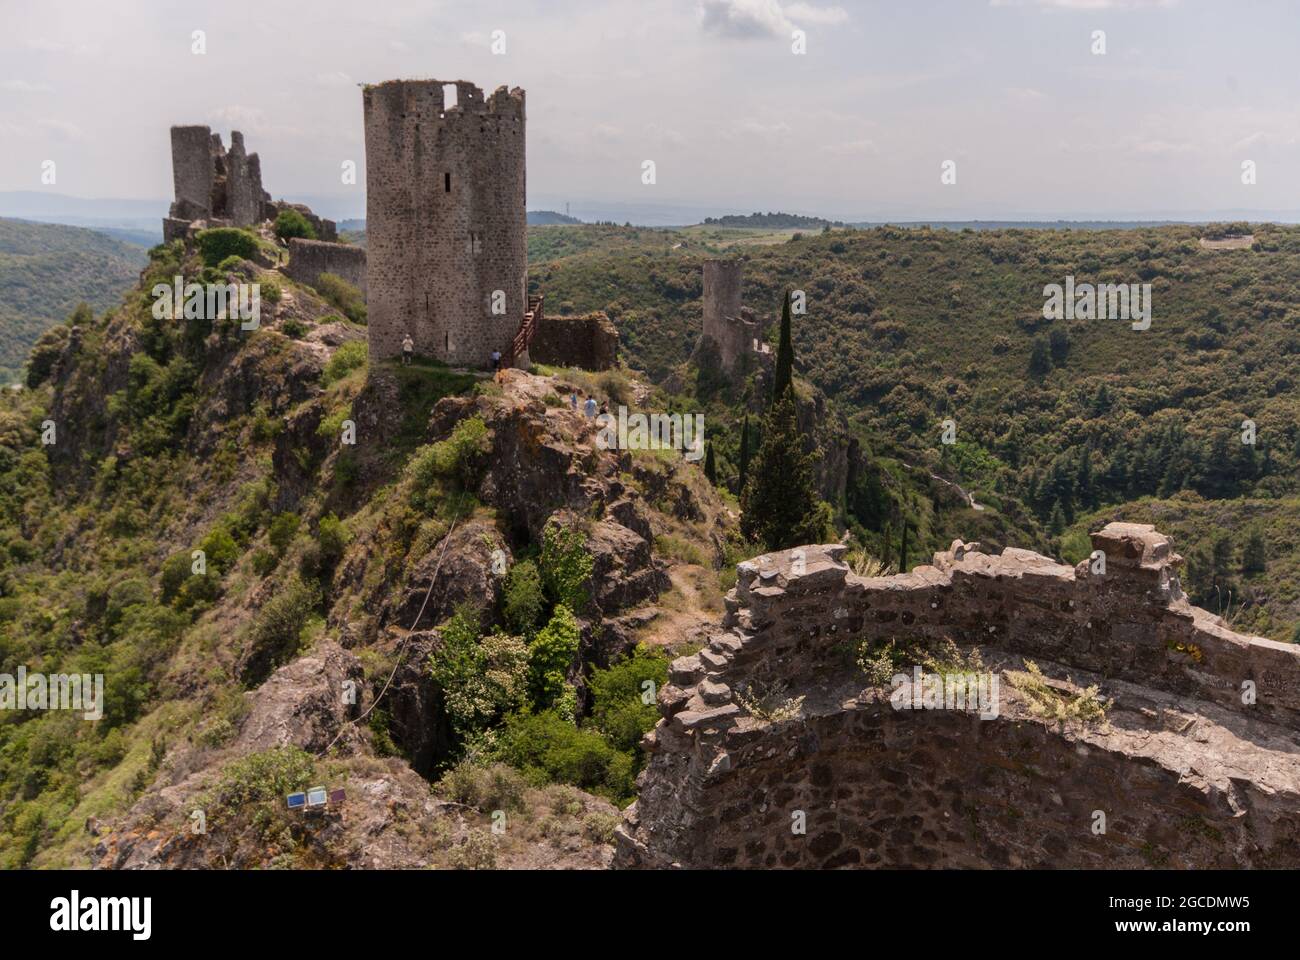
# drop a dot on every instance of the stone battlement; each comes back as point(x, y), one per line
point(505, 103)
point(1202, 731)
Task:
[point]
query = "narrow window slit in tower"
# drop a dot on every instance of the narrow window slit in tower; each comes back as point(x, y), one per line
point(446, 182)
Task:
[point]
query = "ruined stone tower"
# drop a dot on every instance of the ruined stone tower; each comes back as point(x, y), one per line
point(729, 328)
point(213, 183)
point(447, 256)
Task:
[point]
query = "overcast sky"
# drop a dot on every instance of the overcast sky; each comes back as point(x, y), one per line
point(710, 90)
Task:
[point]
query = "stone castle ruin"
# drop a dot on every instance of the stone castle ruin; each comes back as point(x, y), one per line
point(731, 330)
point(1193, 765)
point(447, 254)
point(219, 188)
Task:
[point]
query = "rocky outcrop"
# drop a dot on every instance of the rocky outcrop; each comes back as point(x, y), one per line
point(305, 703)
point(1193, 766)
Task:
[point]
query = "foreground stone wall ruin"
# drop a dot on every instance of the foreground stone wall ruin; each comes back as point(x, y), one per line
point(1185, 772)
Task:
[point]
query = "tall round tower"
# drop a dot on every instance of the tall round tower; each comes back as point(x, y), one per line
point(447, 249)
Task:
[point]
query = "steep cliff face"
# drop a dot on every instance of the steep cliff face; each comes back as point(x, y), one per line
point(385, 600)
point(775, 749)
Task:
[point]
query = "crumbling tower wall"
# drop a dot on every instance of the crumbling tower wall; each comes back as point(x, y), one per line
point(447, 254)
point(192, 172)
point(731, 330)
point(221, 188)
point(244, 194)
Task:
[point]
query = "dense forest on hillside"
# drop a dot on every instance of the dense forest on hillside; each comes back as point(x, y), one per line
point(767, 220)
point(45, 271)
point(907, 328)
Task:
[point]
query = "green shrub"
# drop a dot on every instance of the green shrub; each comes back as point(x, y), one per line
point(550, 655)
point(220, 550)
point(218, 243)
point(480, 678)
point(269, 291)
point(333, 538)
point(546, 746)
point(265, 561)
point(235, 265)
point(485, 787)
point(294, 329)
point(342, 295)
point(49, 346)
point(619, 709)
point(281, 532)
point(459, 458)
point(265, 777)
point(290, 223)
point(275, 634)
point(565, 564)
point(346, 358)
point(523, 599)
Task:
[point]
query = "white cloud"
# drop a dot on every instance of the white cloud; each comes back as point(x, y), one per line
point(335, 79)
point(1026, 94)
point(23, 86)
point(853, 148)
point(756, 128)
point(807, 13)
point(1161, 147)
point(744, 19)
point(1086, 4)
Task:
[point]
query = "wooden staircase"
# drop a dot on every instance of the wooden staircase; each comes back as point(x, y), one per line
point(532, 317)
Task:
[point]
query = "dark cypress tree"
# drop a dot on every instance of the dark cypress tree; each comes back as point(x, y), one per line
point(710, 468)
point(902, 550)
point(744, 456)
point(779, 506)
point(783, 377)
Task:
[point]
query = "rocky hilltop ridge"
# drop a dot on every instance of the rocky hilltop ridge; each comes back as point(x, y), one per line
point(1184, 755)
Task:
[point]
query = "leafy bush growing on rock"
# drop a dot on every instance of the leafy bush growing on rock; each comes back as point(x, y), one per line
point(549, 657)
point(546, 746)
point(346, 358)
point(274, 636)
point(481, 678)
point(218, 243)
point(524, 599)
point(565, 564)
point(619, 709)
point(457, 458)
point(290, 223)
